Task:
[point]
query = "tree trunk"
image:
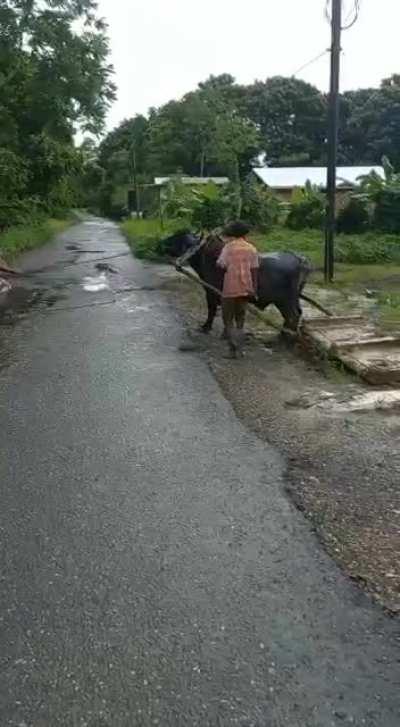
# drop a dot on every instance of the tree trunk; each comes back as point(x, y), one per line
point(202, 162)
point(238, 188)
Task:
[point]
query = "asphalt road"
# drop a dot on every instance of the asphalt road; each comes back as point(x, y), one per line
point(153, 571)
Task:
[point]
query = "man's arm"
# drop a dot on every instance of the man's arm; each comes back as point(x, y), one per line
point(254, 264)
point(222, 261)
point(254, 276)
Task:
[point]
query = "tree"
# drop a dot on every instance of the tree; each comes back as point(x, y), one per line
point(384, 196)
point(130, 136)
point(200, 123)
point(184, 135)
point(67, 78)
point(54, 79)
point(170, 147)
point(370, 124)
point(291, 115)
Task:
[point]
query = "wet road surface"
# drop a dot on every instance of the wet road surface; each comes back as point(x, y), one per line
point(153, 571)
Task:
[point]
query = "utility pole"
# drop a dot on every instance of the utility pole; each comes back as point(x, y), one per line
point(135, 182)
point(333, 125)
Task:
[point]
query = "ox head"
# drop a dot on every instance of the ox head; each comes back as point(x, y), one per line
point(179, 244)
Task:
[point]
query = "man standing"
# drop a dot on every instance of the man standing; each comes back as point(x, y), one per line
point(239, 260)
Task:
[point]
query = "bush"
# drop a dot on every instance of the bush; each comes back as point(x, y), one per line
point(367, 249)
point(14, 209)
point(13, 175)
point(307, 208)
point(212, 211)
point(387, 210)
point(109, 205)
point(179, 200)
point(384, 195)
point(261, 208)
point(145, 236)
point(26, 237)
point(204, 207)
point(354, 216)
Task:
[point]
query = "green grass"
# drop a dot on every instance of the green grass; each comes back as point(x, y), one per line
point(27, 237)
point(144, 236)
point(389, 310)
point(370, 248)
point(307, 242)
point(368, 276)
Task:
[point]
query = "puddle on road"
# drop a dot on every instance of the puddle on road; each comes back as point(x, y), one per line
point(5, 287)
point(94, 283)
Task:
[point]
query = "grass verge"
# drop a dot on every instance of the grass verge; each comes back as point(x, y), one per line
point(144, 236)
point(367, 249)
point(27, 237)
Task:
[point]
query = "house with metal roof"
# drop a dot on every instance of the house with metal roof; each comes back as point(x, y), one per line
point(283, 180)
point(191, 181)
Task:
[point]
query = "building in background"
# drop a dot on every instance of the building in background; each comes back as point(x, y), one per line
point(284, 180)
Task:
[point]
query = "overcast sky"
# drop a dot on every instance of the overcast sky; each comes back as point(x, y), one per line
point(162, 48)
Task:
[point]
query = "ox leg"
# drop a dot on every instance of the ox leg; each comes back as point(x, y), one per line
point(212, 306)
point(291, 313)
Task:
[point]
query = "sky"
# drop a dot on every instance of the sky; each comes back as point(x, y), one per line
point(161, 49)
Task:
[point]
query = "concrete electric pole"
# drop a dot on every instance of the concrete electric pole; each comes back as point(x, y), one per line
point(336, 21)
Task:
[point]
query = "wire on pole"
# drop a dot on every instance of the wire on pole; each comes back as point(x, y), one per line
point(310, 62)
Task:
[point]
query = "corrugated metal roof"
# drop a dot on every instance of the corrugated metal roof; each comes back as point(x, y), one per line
point(289, 177)
point(160, 181)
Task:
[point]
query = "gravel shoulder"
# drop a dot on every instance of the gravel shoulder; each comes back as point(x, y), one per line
point(343, 463)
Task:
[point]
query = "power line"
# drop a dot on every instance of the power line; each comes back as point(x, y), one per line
point(353, 14)
point(310, 62)
point(356, 12)
point(327, 14)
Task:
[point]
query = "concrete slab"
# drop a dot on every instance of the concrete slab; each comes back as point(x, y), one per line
point(357, 343)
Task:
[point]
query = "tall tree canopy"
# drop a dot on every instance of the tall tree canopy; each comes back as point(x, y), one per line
point(370, 127)
point(54, 79)
point(285, 118)
point(292, 119)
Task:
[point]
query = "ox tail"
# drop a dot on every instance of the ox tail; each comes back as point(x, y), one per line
point(316, 305)
point(306, 268)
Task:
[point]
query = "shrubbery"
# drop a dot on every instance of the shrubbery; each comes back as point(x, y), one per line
point(307, 208)
point(383, 195)
point(386, 215)
point(261, 208)
point(203, 208)
point(368, 249)
point(354, 217)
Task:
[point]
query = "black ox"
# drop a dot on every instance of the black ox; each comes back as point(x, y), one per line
point(281, 275)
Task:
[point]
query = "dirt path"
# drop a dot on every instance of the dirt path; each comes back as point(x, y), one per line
point(343, 466)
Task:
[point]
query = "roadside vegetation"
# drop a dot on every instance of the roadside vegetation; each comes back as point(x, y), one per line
point(218, 129)
point(144, 236)
point(367, 247)
point(221, 127)
point(17, 239)
point(55, 80)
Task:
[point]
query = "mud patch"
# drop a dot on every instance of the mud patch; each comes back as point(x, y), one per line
point(17, 303)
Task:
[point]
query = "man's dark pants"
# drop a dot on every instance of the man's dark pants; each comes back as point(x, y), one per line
point(234, 312)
